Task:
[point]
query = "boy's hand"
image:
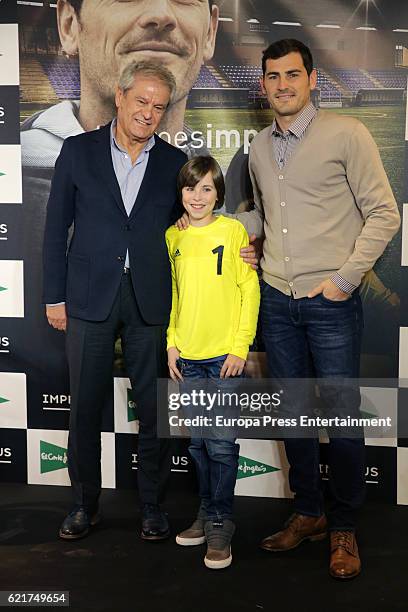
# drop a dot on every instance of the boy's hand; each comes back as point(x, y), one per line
point(172, 355)
point(232, 366)
point(183, 222)
point(251, 253)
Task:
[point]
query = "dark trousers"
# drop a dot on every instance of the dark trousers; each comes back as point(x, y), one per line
point(90, 350)
point(215, 458)
point(321, 338)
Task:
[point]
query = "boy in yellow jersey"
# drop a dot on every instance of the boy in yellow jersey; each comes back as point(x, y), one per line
point(210, 277)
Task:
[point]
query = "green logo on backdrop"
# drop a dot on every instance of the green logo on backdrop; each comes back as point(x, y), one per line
point(2, 174)
point(131, 407)
point(3, 288)
point(3, 400)
point(249, 467)
point(52, 457)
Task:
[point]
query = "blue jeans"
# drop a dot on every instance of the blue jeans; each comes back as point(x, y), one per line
point(216, 460)
point(317, 337)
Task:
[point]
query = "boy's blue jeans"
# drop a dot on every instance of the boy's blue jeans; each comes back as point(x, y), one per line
point(216, 459)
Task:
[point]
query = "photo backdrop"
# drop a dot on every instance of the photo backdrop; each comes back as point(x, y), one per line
point(362, 58)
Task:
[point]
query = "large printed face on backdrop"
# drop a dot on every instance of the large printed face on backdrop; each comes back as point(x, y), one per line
point(287, 85)
point(109, 34)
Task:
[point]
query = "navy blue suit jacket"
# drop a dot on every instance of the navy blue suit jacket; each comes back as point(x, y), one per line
point(85, 193)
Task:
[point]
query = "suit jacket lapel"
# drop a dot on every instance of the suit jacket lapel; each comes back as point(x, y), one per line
point(104, 161)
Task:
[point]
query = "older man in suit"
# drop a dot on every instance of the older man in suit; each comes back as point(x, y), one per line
point(117, 187)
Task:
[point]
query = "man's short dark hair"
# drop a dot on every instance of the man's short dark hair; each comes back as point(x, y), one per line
point(283, 47)
point(195, 169)
point(77, 4)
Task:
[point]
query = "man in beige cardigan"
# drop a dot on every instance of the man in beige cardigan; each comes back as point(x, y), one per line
point(325, 207)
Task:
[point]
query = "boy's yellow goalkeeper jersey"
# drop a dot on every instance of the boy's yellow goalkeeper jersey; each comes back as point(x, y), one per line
point(215, 294)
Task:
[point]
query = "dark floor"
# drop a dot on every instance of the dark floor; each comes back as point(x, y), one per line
point(114, 570)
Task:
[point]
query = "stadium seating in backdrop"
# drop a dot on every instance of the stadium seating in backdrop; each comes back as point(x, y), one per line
point(47, 78)
point(242, 76)
point(355, 80)
point(63, 74)
point(390, 78)
point(207, 79)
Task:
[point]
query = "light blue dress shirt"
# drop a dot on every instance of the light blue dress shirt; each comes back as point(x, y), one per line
point(129, 176)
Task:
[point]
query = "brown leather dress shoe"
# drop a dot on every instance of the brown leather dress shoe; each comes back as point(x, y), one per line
point(344, 560)
point(298, 528)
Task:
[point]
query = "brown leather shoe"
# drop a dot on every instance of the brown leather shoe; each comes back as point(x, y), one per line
point(299, 527)
point(344, 560)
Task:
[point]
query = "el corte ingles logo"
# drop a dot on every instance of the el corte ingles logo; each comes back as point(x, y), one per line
point(3, 288)
point(249, 467)
point(131, 407)
point(3, 400)
point(52, 457)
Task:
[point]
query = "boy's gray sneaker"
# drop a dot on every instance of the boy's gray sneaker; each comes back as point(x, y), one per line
point(192, 536)
point(219, 535)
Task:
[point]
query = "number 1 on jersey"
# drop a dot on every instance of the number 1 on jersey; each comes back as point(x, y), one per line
point(220, 251)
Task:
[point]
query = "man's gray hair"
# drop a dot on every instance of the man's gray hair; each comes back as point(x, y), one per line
point(149, 69)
